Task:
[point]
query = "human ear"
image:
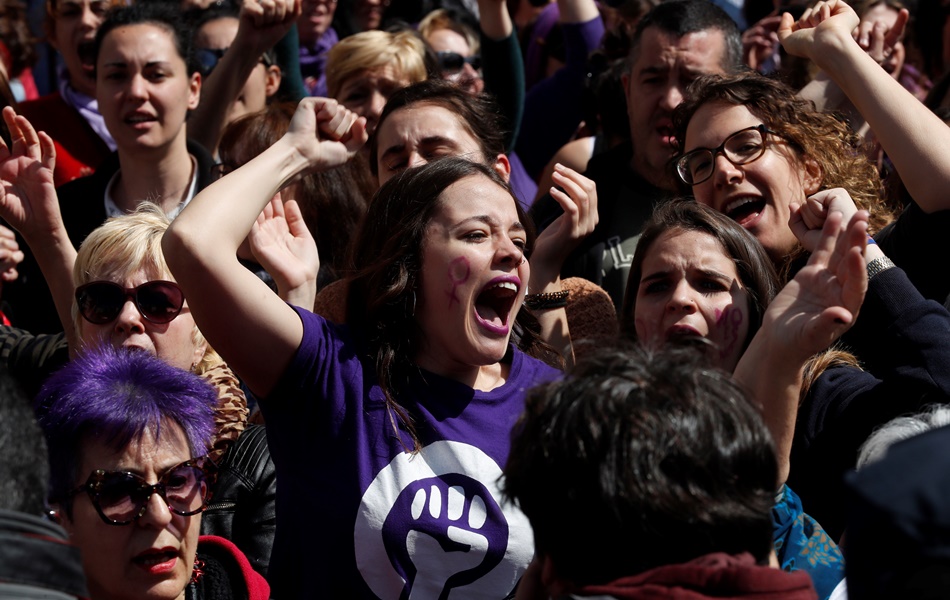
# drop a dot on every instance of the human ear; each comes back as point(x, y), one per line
point(813, 175)
point(272, 81)
point(502, 166)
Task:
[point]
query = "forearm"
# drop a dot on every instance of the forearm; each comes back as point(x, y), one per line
point(56, 258)
point(494, 20)
point(206, 124)
point(774, 382)
point(907, 130)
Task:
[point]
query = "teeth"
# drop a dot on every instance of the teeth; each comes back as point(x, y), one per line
point(737, 203)
point(505, 285)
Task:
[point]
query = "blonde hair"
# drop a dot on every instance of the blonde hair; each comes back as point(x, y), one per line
point(441, 19)
point(124, 245)
point(404, 51)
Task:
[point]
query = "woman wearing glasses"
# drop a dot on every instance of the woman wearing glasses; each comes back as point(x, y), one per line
point(127, 434)
point(804, 151)
point(127, 298)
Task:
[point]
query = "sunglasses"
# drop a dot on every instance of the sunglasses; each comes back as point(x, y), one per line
point(121, 497)
point(453, 62)
point(208, 59)
point(158, 302)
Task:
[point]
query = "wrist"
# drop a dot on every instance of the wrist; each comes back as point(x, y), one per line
point(546, 300)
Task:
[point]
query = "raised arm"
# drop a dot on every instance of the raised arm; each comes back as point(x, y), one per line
point(29, 205)
point(812, 311)
point(579, 201)
point(255, 332)
point(913, 137)
point(261, 26)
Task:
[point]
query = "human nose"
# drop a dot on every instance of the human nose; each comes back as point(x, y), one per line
point(682, 299)
point(89, 19)
point(157, 514)
point(129, 319)
point(376, 103)
point(672, 97)
point(415, 160)
point(725, 171)
point(137, 88)
point(509, 252)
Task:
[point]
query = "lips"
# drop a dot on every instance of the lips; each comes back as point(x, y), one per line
point(744, 210)
point(494, 303)
point(156, 560)
point(680, 331)
point(139, 119)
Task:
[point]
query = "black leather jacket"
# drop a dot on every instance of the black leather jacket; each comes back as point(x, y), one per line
point(242, 505)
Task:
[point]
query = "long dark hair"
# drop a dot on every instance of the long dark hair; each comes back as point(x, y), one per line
point(387, 261)
point(755, 269)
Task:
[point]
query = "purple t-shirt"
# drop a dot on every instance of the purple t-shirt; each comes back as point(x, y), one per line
point(358, 515)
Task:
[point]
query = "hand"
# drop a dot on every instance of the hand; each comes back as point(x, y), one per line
point(828, 22)
point(10, 255)
point(558, 240)
point(808, 218)
point(882, 40)
point(325, 133)
point(281, 242)
point(29, 203)
point(263, 23)
point(823, 299)
point(760, 41)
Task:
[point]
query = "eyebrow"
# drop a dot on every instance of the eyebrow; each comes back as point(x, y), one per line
point(427, 141)
point(516, 226)
point(705, 272)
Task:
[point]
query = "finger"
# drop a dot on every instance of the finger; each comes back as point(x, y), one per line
point(31, 143)
point(9, 275)
point(47, 151)
point(896, 32)
point(829, 237)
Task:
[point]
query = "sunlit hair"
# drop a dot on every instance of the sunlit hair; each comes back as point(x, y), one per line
point(812, 134)
point(899, 429)
point(123, 246)
point(387, 257)
point(478, 114)
point(404, 51)
point(115, 396)
point(441, 18)
point(652, 449)
point(756, 271)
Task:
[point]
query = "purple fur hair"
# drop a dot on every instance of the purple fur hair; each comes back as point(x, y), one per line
point(115, 396)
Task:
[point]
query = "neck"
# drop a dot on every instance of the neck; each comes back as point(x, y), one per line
point(481, 378)
point(163, 179)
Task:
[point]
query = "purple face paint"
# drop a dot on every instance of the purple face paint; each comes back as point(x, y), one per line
point(728, 322)
point(459, 272)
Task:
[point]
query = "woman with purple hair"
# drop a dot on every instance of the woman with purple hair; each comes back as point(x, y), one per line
point(118, 292)
point(127, 436)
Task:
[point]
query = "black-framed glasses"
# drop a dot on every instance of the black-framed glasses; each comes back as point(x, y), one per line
point(121, 497)
point(158, 302)
point(740, 148)
point(453, 62)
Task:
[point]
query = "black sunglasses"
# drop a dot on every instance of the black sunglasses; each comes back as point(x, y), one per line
point(121, 497)
point(158, 302)
point(453, 62)
point(208, 59)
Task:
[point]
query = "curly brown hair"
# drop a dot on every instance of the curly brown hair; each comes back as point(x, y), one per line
point(814, 134)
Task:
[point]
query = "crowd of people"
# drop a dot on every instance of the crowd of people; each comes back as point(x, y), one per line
point(489, 299)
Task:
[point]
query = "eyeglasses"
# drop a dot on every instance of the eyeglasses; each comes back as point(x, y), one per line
point(453, 62)
point(158, 302)
point(740, 148)
point(208, 59)
point(121, 497)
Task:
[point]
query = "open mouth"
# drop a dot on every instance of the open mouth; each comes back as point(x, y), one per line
point(494, 303)
point(137, 119)
point(157, 561)
point(745, 209)
point(87, 56)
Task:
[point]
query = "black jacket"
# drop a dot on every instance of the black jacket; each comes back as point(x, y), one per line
point(242, 505)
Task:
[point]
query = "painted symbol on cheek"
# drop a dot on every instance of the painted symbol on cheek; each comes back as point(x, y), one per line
point(728, 321)
point(459, 271)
